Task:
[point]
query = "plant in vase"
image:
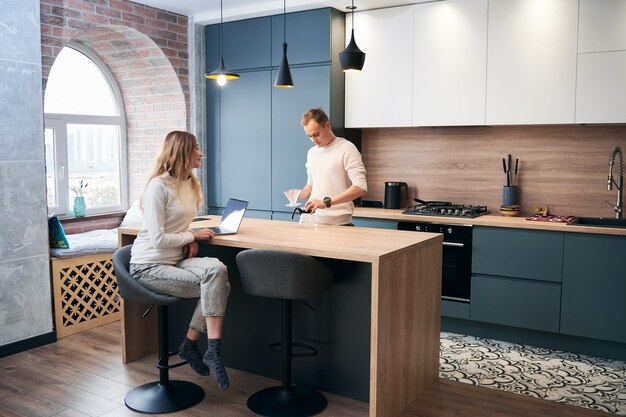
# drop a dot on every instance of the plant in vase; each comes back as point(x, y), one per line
point(79, 199)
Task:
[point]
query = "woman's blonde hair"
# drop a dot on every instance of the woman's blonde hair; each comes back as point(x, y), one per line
point(175, 159)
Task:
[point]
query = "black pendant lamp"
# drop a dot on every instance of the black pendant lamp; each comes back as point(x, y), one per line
point(352, 58)
point(283, 78)
point(221, 74)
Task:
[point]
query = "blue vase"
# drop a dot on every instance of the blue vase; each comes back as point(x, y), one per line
point(79, 206)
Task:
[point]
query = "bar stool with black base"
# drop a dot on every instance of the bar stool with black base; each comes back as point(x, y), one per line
point(288, 276)
point(164, 395)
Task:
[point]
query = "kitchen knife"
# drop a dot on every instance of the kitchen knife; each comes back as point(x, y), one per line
point(506, 174)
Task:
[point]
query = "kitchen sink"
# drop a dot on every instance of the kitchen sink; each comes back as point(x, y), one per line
point(599, 221)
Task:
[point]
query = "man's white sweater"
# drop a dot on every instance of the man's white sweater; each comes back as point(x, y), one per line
point(331, 170)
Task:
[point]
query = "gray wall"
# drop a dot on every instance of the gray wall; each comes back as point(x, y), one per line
point(25, 301)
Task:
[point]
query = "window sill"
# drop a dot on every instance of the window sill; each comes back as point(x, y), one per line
point(74, 219)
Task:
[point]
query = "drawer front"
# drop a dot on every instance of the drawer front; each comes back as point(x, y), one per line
point(531, 254)
point(375, 223)
point(455, 309)
point(516, 302)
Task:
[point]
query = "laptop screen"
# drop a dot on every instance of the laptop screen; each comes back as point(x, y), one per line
point(233, 214)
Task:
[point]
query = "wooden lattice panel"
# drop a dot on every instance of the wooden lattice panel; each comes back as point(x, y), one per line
point(85, 293)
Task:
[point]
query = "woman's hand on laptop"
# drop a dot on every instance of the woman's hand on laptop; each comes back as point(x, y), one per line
point(203, 234)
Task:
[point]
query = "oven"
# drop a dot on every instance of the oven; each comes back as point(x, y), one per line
point(457, 257)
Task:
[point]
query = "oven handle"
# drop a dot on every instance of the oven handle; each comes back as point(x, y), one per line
point(455, 244)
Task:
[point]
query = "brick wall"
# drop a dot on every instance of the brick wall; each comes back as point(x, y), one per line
point(146, 51)
point(72, 226)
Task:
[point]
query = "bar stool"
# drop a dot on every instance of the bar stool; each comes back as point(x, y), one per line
point(288, 276)
point(164, 395)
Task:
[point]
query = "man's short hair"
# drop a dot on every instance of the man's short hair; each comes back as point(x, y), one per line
point(315, 114)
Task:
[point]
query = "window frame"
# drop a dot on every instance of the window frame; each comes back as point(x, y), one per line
point(59, 121)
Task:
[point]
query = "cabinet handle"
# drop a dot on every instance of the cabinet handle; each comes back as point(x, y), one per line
point(456, 245)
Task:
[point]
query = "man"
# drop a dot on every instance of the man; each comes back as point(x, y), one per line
point(335, 172)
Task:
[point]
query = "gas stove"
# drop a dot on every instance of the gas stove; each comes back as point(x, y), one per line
point(438, 208)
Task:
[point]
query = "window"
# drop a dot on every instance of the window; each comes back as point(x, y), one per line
point(85, 134)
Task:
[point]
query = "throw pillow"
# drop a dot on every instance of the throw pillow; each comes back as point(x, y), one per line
point(57, 234)
point(134, 216)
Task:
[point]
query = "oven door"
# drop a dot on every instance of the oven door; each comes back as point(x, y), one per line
point(456, 271)
point(457, 257)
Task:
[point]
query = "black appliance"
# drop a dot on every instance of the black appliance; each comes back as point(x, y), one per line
point(396, 194)
point(445, 208)
point(457, 257)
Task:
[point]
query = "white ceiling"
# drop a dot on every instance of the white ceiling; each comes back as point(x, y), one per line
point(208, 11)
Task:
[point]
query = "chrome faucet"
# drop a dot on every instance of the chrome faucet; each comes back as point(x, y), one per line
point(620, 179)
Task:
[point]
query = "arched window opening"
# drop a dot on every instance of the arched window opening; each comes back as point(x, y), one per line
point(85, 134)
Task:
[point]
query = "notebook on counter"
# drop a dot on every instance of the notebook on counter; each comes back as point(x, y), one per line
point(231, 218)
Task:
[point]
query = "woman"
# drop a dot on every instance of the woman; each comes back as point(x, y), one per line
point(162, 257)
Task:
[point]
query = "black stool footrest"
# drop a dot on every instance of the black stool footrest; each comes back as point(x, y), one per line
point(275, 347)
point(163, 362)
point(155, 398)
point(287, 402)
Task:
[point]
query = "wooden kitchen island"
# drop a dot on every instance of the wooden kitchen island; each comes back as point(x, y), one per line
point(381, 317)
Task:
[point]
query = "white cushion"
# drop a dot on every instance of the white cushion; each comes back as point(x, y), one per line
point(133, 217)
point(88, 243)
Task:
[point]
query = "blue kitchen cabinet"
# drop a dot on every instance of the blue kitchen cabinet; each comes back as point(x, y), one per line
point(212, 150)
point(278, 215)
point(516, 277)
point(531, 254)
point(308, 34)
point(289, 142)
point(247, 44)
point(256, 147)
point(246, 140)
point(259, 214)
point(516, 302)
point(594, 287)
point(375, 223)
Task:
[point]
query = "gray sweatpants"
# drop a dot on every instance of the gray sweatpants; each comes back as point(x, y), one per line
point(206, 278)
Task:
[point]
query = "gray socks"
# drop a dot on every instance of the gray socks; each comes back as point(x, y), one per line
point(189, 352)
point(213, 359)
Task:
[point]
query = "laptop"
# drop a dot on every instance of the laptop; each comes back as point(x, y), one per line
point(231, 218)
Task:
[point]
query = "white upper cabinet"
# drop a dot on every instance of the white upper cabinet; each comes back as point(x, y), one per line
point(601, 80)
point(601, 88)
point(450, 63)
point(531, 61)
point(381, 94)
point(602, 26)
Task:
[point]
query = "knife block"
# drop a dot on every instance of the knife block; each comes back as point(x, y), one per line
point(510, 195)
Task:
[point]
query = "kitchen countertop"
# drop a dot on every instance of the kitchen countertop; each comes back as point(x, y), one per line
point(492, 220)
point(404, 274)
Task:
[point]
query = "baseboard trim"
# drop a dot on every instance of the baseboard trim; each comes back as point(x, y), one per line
point(26, 344)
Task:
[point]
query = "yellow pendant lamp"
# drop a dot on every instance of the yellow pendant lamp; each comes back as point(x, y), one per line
point(221, 74)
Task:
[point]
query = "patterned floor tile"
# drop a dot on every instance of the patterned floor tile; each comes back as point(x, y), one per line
point(620, 408)
point(554, 375)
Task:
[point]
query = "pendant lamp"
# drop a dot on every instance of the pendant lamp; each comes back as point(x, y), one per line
point(283, 78)
point(352, 58)
point(221, 74)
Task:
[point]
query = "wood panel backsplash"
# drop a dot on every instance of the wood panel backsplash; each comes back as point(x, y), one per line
point(563, 167)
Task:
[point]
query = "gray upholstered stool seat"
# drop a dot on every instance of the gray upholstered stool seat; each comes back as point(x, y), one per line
point(165, 395)
point(288, 276)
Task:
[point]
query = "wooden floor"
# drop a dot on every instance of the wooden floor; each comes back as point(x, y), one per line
point(82, 375)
